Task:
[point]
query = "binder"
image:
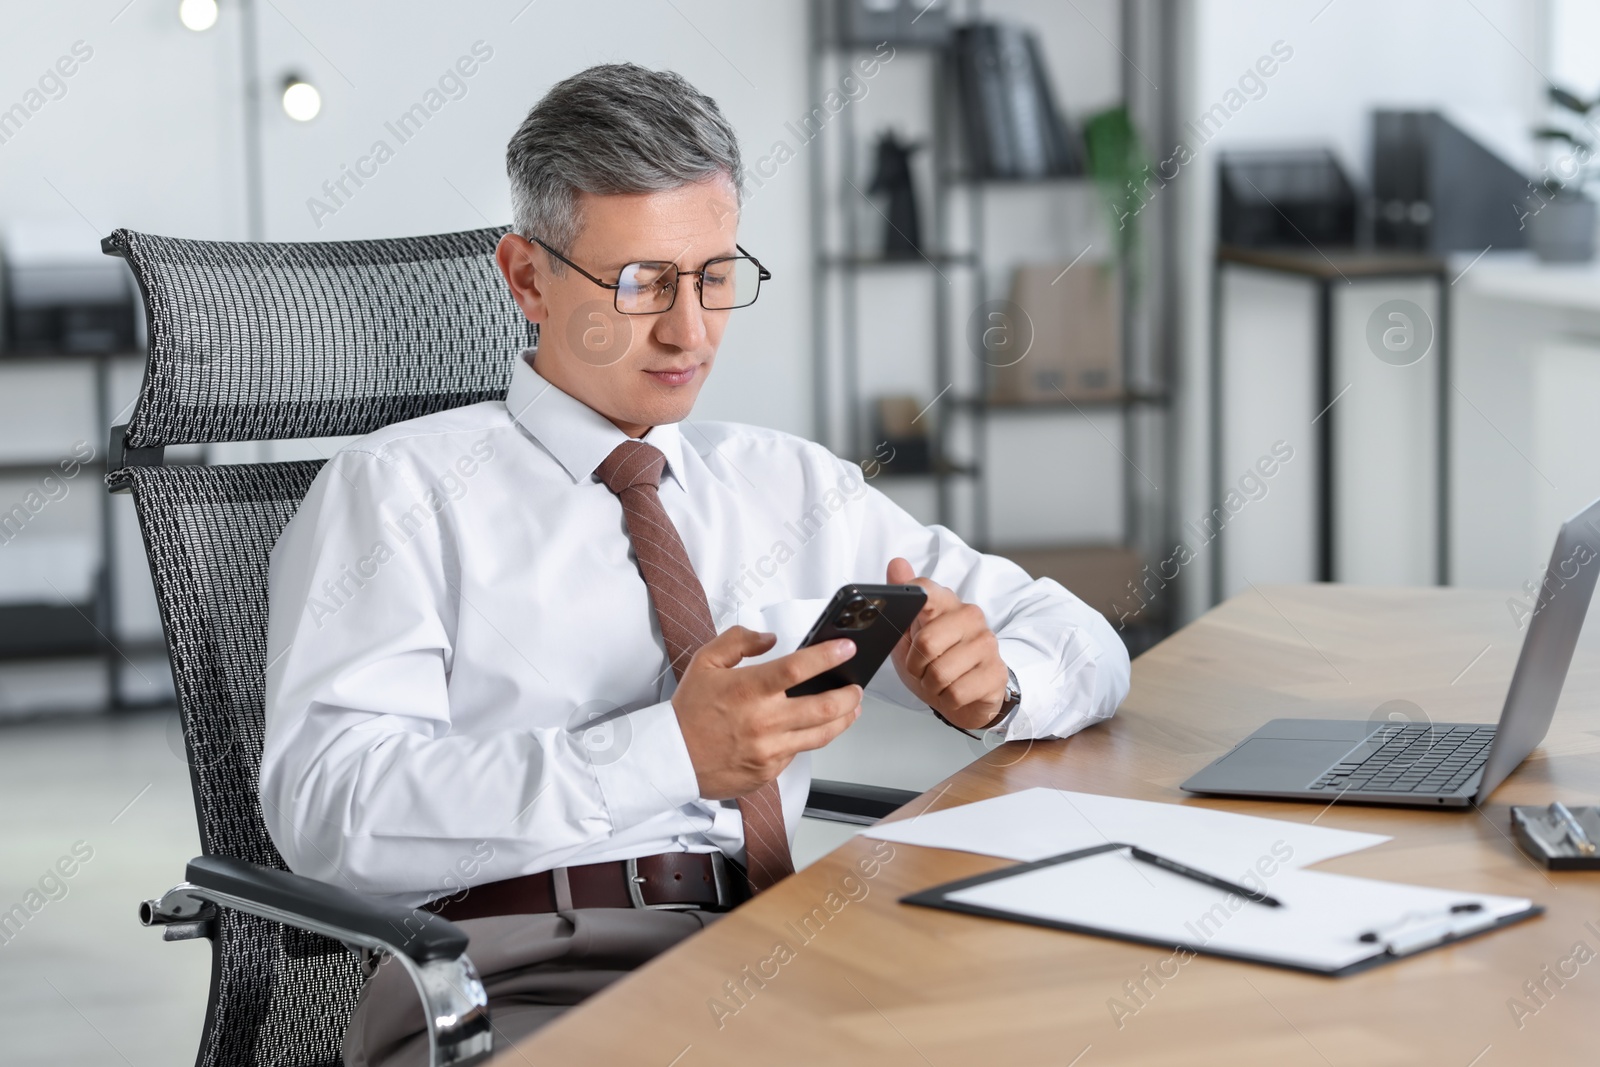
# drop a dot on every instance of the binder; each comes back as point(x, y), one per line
point(1436, 189)
point(990, 140)
point(1328, 924)
point(1014, 129)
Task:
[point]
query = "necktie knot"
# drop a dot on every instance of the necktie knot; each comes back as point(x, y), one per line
point(632, 463)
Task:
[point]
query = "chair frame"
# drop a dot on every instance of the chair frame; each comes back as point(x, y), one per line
point(431, 949)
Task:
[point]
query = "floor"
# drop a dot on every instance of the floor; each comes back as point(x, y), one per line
point(81, 982)
point(107, 798)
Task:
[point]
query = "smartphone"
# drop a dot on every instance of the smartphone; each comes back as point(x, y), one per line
point(875, 617)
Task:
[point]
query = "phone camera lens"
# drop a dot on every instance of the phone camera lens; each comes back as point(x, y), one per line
point(856, 614)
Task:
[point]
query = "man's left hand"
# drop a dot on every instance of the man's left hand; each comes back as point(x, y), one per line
point(949, 658)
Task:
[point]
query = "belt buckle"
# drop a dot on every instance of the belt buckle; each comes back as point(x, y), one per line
point(719, 880)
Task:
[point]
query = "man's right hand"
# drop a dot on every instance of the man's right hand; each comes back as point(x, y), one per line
point(740, 726)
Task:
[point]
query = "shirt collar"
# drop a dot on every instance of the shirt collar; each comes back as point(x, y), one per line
point(579, 437)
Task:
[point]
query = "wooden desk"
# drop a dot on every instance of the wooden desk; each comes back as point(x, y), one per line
point(881, 983)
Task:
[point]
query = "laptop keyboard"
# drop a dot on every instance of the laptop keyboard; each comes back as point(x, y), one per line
point(1413, 759)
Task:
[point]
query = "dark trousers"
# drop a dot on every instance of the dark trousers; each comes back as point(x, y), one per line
point(533, 967)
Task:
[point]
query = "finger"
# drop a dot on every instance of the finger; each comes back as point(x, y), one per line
point(804, 713)
point(734, 644)
point(902, 648)
point(940, 599)
point(788, 671)
point(936, 637)
point(960, 658)
point(819, 735)
point(981, 686)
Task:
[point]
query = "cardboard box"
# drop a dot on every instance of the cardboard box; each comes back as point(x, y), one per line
point(1077, 335)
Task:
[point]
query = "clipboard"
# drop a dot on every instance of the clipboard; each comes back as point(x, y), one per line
point(1328, 916)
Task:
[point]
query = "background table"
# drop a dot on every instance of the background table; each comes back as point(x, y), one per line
point(872, 981)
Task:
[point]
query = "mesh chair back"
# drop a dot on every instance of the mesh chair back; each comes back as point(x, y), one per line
point(265, 342)
point(278, 996)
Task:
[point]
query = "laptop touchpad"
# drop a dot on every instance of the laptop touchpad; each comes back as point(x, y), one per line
point(1269, 764)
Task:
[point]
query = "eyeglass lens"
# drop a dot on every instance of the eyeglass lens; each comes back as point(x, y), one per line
point(650, 288)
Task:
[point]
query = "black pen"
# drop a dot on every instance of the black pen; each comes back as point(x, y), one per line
point(1200, 876)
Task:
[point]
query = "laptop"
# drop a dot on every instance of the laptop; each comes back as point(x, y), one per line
point(1450, 764)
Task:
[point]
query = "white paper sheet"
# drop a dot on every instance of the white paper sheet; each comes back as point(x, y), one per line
point(1319, 925)
point(1040, 822)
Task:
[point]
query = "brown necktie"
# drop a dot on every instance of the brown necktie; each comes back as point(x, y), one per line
point(633, 472)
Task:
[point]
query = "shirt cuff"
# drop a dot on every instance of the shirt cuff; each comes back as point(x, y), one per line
point(1036, 672)
point(645, 770)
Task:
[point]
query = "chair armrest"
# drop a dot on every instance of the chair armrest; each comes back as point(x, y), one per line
point(418, 934)
point(854, 803)
point(432, 949)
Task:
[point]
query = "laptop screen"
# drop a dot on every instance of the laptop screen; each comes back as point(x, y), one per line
point(1559, 609)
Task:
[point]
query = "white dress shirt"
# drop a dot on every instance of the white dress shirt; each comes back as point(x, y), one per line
point(466, 679)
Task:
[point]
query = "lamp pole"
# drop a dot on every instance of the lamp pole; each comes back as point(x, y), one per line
point(250, 72)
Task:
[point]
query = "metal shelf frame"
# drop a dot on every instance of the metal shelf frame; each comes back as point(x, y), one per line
point(99, 614)
point(1148, 524)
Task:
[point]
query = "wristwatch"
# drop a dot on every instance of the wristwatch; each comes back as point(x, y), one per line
point(1009, 702)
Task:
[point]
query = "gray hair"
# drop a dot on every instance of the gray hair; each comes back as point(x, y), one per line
point(614, 128)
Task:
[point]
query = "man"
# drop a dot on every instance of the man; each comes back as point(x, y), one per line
point(529, 658)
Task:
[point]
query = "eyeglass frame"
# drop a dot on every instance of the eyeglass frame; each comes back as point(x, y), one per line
point(764, 275)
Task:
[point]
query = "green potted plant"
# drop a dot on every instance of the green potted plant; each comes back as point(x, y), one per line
point(1560, 216)
point(1115, 159)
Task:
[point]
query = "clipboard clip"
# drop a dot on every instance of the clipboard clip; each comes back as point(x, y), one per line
point(1416, 931)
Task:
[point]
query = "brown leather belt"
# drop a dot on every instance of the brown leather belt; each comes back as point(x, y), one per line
point(666, 880)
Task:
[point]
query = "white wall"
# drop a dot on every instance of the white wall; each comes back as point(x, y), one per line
point(1574, 62)
point(1477, 61)
point(1528, 348)
point(146, 133)
point(451, 175)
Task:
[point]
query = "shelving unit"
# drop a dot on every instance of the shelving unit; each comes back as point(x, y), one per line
point(964, 417)
point(88, 629)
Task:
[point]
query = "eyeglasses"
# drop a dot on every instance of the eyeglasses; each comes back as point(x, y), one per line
point(650, 287)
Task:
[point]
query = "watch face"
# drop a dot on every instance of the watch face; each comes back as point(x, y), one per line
point(1013, 695)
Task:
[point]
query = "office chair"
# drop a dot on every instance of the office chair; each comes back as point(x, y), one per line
point(271, 342)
